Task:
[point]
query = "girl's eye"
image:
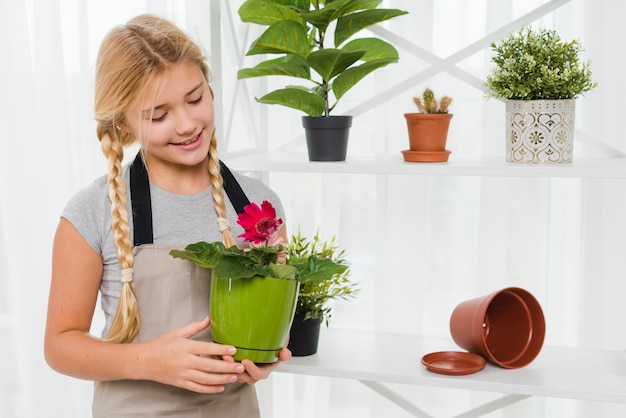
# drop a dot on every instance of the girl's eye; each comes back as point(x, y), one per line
point(160, 118)
point(198, 100)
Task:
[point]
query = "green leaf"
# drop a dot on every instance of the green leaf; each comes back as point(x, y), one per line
point(375, 49)
point(265, 12)
point(355, 5)
point(231, 267)
point(333, 10)
point(290, 65)
point(350, 24)
point(287, 37)
point(282, 271)
point(203, 254)
point(346, 80)
point(300, 5)
point(321, 18)
point(316, 269)
point(297, 98)
point(330, 62)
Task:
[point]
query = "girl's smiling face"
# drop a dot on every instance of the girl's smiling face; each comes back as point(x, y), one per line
point(174, 119)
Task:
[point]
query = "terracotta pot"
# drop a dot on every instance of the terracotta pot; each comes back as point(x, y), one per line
point(506, 327)
point(428, 134)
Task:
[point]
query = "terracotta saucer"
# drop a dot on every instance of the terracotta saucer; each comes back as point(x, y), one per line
point(453, 363)
point(426, 156)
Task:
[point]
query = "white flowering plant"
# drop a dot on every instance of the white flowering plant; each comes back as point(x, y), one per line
point(538, 65)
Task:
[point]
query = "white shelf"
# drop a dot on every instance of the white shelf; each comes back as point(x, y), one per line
point(375, 358)
point(595, 375)
point(394, 164)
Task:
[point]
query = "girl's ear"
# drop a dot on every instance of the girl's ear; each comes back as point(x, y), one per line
point(121, 126)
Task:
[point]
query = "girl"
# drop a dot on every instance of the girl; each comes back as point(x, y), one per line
point(155, 357)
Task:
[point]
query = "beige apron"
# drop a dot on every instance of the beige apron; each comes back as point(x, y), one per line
point(171, 293)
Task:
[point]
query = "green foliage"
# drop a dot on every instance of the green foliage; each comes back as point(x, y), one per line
point(538, 65)
point(296, 30)
point(236, 263)
point(317, 290)
point(429, 104)
point(306, 263)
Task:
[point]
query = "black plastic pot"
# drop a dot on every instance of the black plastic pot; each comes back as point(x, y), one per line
point(304, 336)
point(327, 137)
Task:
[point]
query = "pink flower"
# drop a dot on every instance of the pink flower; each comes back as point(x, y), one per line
point(260, 223)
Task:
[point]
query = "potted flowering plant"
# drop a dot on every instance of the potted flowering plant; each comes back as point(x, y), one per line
point(254, 289)
point(539, 76)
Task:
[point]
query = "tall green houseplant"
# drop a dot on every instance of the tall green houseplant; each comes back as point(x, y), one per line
point(298, 30)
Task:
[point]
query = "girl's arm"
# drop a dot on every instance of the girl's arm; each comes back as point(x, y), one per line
point(172, 359)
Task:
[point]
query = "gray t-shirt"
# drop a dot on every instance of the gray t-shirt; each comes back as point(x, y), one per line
point(177, 220)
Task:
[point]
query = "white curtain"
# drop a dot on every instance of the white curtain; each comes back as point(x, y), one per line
point(418, 245)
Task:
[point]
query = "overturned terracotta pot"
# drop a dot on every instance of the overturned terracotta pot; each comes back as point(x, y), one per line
point(506, 327)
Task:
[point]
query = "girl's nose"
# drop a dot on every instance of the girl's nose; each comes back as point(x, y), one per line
point(184, 123)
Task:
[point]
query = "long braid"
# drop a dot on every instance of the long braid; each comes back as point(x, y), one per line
point(129, 58)
point(126, 321)
point(218, 193)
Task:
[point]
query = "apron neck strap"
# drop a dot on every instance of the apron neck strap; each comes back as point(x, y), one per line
point(233, 190)
point(140, 202)
point(142, 205)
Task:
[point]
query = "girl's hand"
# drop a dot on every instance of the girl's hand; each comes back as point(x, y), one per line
point(198, 366)
point(255, 372)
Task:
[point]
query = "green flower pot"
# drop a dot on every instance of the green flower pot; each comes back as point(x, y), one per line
point(253, 315)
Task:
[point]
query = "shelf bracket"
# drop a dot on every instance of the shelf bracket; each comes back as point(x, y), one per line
point(396, 399)
point(411, 408)
point(494, 405)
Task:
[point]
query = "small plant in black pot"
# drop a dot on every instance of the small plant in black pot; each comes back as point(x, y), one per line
point(312, 308)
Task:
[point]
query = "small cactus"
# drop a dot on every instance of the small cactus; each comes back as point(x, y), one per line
point(428, 104)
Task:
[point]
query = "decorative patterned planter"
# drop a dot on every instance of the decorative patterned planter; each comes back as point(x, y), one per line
point(540, 131)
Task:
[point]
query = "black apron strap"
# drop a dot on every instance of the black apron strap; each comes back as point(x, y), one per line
point(142, 205)
point(232, 188)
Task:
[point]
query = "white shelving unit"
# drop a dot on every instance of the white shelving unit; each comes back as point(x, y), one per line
point(593, 375)
point(558, 372)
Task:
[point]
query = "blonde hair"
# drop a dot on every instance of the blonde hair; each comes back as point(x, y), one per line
point(129, 58)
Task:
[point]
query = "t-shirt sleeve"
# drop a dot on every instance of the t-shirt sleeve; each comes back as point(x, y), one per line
point(88, 211)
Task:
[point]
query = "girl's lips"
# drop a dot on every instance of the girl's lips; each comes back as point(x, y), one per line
point(191, 144)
